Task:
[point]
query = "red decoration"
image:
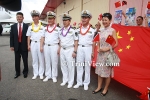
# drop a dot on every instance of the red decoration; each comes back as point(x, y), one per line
point(51, 30)
point(74, 24)
point(117, 4)
point(96, 38)
point(100, 17)
point(86, 30)
point(148, 5)
point(124, 3)
point(110, 40)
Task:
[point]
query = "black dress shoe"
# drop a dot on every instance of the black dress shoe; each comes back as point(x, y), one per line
point(103, 93)
point(25, 75)
point(16, 76)
point(94, 92)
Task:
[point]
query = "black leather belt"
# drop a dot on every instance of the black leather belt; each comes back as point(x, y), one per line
point(51, 44)
point(35, 41)
point(84, 45)
point(65, 48)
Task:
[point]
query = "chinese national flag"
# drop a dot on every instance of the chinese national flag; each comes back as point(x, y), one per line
point(96, 38)
point(117, 4)
point(134, 52)
point(148, 5)
point(124, 3)
point(110, 40)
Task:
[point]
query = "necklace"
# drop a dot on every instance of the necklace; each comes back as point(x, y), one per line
point(66, 32)
point(39, 26)
point(86, 30)
point(52, 29)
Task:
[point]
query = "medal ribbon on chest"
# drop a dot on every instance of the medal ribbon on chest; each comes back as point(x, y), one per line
point(39, 26)
point(66, 32)
point(52, 29)
point(86, 30)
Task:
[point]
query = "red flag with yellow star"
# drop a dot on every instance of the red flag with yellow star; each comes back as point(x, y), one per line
point(111, 40)
point(96, 38)
point(134, 52)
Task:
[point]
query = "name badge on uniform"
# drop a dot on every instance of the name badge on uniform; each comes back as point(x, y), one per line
point(90, 36)
point(70, 32)
point(55, 30)
point(90, 32)
point(41, 28)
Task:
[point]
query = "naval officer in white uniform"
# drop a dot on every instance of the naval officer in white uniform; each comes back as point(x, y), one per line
point(85, 49)
point(50, 41)
point(68, 51)
point(34, 33)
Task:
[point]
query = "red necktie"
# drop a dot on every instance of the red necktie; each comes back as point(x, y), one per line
point(20, 32)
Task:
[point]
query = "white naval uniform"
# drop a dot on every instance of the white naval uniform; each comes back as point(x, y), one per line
point(66, 59)
point(84, 53)
point(50, 52)
point(37, 56)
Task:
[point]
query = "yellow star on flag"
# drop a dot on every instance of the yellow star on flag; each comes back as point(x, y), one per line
point(118, 35)
point(129, 32)
point(128, 47)
point(120, 50)
point(131, 38)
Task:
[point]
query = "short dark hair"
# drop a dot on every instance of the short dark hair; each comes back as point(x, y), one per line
point(19, 13)
point(108, 15)
point(140, 17)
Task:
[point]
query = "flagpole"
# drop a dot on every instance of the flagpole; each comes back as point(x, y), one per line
point(121, 4)
point(121, 9)
point(142, 7)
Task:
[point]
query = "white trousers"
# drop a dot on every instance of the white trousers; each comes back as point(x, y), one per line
point(37, 59)
point(51, 61)
point(83, 57)
point(67, 66)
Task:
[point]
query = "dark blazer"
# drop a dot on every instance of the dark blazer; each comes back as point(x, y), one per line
point(14, 37)
point(1, 29)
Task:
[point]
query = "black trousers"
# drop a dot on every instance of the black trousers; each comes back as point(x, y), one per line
point(18, 55)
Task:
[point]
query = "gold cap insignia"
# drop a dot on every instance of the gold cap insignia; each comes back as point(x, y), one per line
point(65, 15)
point(50, 13)
point(34, 11)
point(84, 12)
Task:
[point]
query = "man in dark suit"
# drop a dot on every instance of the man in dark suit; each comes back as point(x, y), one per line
point(1, 29)
point(18, 44)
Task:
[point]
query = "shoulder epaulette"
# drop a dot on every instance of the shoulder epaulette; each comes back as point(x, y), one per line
point(92, 27)
point(73, 28)
point(78, 27)
point(30, 24)
point(61, 29)
point(58, 26)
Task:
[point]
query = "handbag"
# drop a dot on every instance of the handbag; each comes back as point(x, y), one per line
point(112, 59)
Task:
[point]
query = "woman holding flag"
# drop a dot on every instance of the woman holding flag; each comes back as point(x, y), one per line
point(103, 70)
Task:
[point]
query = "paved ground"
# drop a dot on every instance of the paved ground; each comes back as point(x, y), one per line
point(28, 89)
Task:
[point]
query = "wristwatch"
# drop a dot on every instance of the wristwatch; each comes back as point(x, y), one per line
point(75, 52)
